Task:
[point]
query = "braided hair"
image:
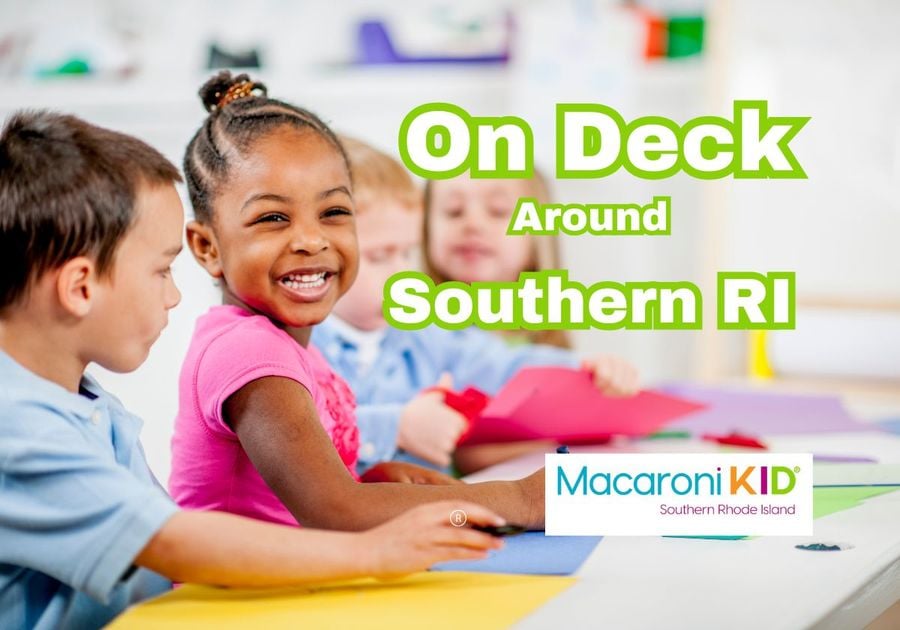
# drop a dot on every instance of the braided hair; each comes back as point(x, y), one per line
point(240, 112)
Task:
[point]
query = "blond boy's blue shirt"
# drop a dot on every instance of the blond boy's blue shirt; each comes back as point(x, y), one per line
point(408, 361)
point(77, 504)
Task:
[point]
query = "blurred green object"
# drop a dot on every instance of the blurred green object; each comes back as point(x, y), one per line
point(830, 500)
point(75, 65)
point(685, 36)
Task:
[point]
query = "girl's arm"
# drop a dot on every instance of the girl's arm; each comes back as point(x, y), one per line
point(278, 426)
point(470, 459)
point(229, 550)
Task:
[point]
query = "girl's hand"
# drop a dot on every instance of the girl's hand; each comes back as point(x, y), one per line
point(532, 488)
point(403, 472)
point(613, 376)
point(425, 535)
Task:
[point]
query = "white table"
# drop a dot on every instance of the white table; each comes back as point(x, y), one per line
point(655, 582)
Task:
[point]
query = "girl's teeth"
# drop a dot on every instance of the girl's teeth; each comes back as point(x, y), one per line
point(305, 281)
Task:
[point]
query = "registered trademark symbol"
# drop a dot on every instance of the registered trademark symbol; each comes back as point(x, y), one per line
point(458, 518)
point(796, 469)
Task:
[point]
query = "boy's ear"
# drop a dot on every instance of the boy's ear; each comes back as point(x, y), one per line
point(202, 241)
point(75, 285)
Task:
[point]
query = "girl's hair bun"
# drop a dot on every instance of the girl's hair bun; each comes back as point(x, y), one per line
point(224, 88)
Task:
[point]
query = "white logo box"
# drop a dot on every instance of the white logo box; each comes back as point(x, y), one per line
point(595, 499)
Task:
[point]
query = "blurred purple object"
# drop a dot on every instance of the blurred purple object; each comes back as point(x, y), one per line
point(374, 46)
point(842, 459)
point(762, 413)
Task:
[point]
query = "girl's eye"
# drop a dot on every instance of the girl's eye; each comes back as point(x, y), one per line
point(165, 273)
point(499, 211)
point(453, 212)
point(336, 212)
point(271, 218)
point(378, 256)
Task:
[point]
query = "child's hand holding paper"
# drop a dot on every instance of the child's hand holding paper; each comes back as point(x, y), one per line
point(429, 428)
point(613, 376)
point(565, 404)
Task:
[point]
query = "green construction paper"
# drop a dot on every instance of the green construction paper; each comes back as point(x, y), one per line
point(825, 501)
point(668, 435)
point(73, 66)
point(830, 500)
point(710, 537)
point(685, 36)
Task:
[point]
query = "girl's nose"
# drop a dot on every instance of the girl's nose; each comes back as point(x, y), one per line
point(308, 240)
point(472, 219)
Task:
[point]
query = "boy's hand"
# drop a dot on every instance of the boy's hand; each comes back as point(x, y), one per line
point(613, 376)
point(428, 428)
point(404, 472)
point(425, 535)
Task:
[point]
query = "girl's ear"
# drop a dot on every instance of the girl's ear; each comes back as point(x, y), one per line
point(202, 241)
point(75, 285)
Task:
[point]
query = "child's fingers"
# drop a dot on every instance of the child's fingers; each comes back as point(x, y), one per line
point(445, 381)
point(437, 456)
point(475, 514)
point(632, 380)
point(468, 537)
point(602, 373)
point(456, 424)
point(616, 380)
point(461, 553)
point(625, 381)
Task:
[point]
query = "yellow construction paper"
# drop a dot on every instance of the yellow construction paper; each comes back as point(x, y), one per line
point(451, 600)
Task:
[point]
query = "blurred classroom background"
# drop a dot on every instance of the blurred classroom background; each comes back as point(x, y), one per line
point(362, 65)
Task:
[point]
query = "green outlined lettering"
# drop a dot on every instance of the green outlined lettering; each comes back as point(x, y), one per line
point(540, 300)
point(532, 217)
point(594, 141)
point(441, 140)
point(753, 301)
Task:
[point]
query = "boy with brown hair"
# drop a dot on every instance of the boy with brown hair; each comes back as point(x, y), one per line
point(90, 223)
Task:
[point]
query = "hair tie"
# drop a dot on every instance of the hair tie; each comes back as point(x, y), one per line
point(239, 90)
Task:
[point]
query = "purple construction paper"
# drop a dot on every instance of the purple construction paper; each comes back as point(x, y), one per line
point(531, 553)
point(843, 459)
point(762, 413)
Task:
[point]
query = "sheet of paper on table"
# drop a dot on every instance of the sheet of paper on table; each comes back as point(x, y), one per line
point(433, 600)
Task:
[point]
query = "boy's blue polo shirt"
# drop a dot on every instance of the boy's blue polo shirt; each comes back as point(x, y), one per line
point(77, 504)
point(408, 361)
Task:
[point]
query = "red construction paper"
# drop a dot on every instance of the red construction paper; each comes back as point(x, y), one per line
point(563, 404)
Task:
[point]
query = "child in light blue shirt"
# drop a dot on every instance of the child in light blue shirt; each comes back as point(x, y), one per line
point(90, 223)
point(407, 362)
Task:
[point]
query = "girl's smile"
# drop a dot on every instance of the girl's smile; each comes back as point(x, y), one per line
point(307, 285)
point(283, 235)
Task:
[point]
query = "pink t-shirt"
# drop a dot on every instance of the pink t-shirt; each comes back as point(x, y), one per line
point(230, 348)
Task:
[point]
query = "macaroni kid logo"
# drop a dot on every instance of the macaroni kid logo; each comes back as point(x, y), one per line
point(686, 494)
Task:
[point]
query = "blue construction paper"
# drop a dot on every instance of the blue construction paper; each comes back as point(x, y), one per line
point(531, 553)
point(892, 425)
